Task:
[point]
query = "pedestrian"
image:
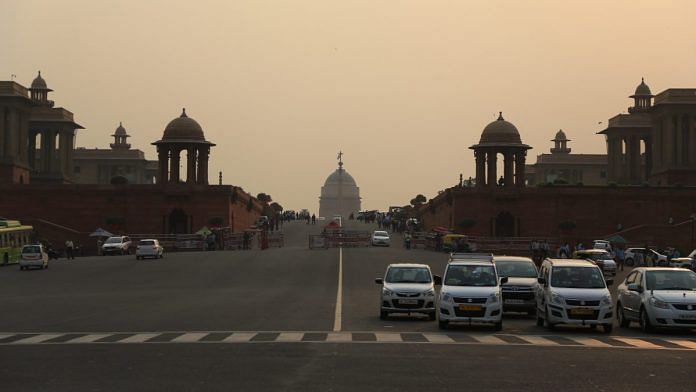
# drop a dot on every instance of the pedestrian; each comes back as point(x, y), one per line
point(69, 250)
point(245, 240)
point(619, 257)
point(314, 219)
point(407, 240)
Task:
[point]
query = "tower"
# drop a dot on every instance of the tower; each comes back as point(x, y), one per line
point(120, 139)
point(560, 143)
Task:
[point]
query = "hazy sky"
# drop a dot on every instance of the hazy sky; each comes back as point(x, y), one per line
point(402, 87)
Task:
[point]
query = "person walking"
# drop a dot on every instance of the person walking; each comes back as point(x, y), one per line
point(407, 240)
point(69, 254)
point(619, 257)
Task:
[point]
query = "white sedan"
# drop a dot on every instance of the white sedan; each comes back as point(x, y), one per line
point(149, 248)
point(380, 238)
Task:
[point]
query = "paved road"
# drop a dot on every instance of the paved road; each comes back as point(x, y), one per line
point(267, 320)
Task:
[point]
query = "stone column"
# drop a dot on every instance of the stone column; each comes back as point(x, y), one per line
point(203, 155)
point(679, 157)
point(10, 134)
point(648, 156)
point(2, 130)
point(492, 160)
point(508, 168)
point(520, 161)
point(480, 167)
point(24, 139)
point(46, 147)
point(190, 165)
point(31, 156)
point(61, 153)
point(163, 158)
point(174, 162)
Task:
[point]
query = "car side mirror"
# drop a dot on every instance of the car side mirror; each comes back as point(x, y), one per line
point(437, 280)
point(635, 287)
point(379, 281)
point(503, 280)
point(541, 281)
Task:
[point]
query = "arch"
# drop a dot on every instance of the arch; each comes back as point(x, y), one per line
point(178, 222)
point(118, 180)
point(504, 225)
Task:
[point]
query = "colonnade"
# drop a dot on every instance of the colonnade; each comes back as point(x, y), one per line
point(197, 157)
point(513, 166)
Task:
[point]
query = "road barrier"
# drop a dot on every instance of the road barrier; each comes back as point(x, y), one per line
point(335, 238)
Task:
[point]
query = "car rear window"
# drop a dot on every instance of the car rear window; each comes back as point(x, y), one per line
point(408, 275)
point(147, 242)
point(31, 249)
point(113, 240)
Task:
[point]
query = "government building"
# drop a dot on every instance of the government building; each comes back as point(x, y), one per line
point(340, 194)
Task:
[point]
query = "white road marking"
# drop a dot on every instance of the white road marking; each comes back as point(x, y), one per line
point(290, 337)
point(685, 343)
point(38, 338)
point(339, 337)
point(438, 338)
point(89, 338)
point(636, 342)
point(538, 340)
point(339, 293)
point(238, 337)
point(191, 337)
point(488, 339)
point(139, 338)
point(388, 337)
point(589, 342)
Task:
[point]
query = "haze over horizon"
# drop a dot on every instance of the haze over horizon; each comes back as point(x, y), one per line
point(403, 88)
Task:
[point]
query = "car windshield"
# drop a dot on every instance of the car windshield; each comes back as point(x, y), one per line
point(470, 275)
point(671, 280)
point(408, 275)
point(31, 249)
point(113, 240)
point(147, 242)
point(516, 269)
point(381, 234)
point(577, 278)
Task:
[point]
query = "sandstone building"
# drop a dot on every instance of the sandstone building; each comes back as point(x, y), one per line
point(340, 194)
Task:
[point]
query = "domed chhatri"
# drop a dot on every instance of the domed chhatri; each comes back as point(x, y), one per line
point(642, 88)
point(340, 194)
point(183, 134)
point(120, 130)
point(642, 99)
point(500, 137)
point(500, 131)
point(560, 136)
point(183, 127)
point(120, 138)
point(560, 143)
point(39, 83)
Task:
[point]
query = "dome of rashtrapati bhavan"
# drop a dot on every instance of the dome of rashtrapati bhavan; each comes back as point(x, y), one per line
point(340, 195)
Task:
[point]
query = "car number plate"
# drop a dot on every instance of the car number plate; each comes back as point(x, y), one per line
point(408, 301)
point(469, 307)
point(514, 301)
point(688, 317)
point(581, 311)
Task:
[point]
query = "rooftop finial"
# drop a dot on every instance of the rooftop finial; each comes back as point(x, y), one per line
point(183, 112)
point(642, 80)
point(120, 124)
point(340, 158)
point(500, 116)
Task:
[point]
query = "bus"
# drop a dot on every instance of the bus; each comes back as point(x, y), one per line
point(13, 236)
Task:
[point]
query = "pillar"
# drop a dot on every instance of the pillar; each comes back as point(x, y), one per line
point(648, 157)
point(191, 165)
point(3, 131)
point(492, 160)
point(203, 155)
point(508, 168)
point(520, 161)
point(679, 156)
point(480, 167)
point(163, 158)
point(174, 162)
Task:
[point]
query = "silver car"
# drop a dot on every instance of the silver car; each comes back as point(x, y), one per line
point(658, 297)
point(408, 288)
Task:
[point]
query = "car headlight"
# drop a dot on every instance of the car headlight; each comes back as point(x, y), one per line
point(606, 300)
point(386, 292)
point(557, 299)
point(446, 297)
point(429, 293)
point(658, 303)
point(494, 298)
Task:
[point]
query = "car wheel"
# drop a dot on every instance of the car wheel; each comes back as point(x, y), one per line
point(498, 326)
point(383, 315)
point(21, 268)
point(549, 324)
point(540, 321)
point(645, 325)
point(443, 324)
point(608, 328)
point(621, 316)
point(629, 262)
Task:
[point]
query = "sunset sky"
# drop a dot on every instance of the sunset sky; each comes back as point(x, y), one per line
point(403, 88)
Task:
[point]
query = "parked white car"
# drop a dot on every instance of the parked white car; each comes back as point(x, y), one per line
point(636, 256)
point(684, 262)
point(380, 238)
point(119, 245)
point(658, 297)
point(601, 244)
point(408, 288)
point(573, 292)
point(33, 256)
point(149, 248)
point(471, 293)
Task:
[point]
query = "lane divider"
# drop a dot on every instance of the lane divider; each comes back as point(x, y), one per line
point(644, 343)
point(339, 293)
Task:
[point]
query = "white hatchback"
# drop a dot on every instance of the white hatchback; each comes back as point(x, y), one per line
point(658, 297)
point(408, 288)
point(380, 238)
point(149, 248)
point(33, 256)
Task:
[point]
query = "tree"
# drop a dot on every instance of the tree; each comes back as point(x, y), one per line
point(418, 200)
point(264, 198)
point(277, 207)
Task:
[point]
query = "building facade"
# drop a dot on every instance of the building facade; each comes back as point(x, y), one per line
point(340, 194)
